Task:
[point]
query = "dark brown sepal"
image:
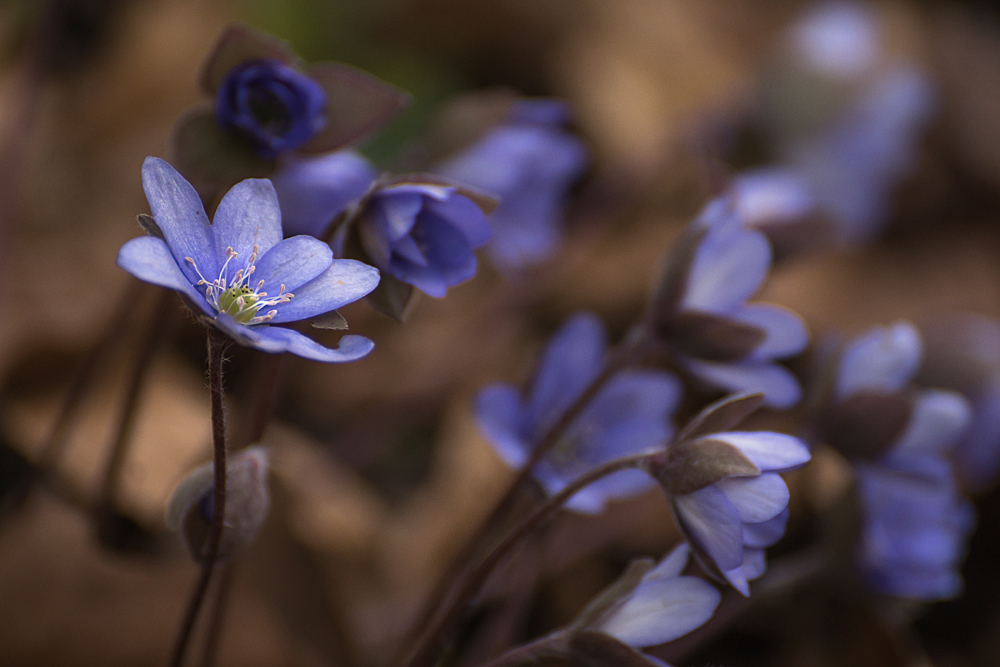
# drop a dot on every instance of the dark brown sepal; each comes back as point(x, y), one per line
point(149, 225)
point(332, 320)
point(867, 424)
point(691, 465)
point(721, 415)
point(709, 336)
point(239, 44)
point(393, 297)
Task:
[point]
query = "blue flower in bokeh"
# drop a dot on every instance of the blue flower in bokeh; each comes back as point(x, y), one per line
point(630, 415)
point(663, 605)
point(530, 161)
point(313, 191)
point(422, 233)
point(278, 107)
point(702, 313)
point(914, 522)
point(730, 522)
point(238, 271)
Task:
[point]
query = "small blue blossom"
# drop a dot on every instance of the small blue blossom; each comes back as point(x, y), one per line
point(663, 606)
point(422, 233)
point(702, 311)
point(914, 521)
point(238, 271)
point(630, 415)
point(277, 106)
point(530, 161)
point(313, 191)
point(732, 520)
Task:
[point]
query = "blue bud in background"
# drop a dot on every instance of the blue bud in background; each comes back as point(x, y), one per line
point(530, 161)
point(278, 107)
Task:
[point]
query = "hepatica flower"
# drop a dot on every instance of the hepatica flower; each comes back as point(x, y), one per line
point(630, 415)
point(238, 271)
point(530, 161)
point(914, 522)
point(725, 490)
point(701, 314)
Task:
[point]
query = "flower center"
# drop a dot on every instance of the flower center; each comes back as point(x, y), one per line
point(236, 298)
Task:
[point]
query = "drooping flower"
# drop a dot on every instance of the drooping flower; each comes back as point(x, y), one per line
point(700, 310)
point(845, 118)
point(630, 415)
point(239, 272)
point(421, 231)
point(191, 506)
point(725, 489)
point(662, 606)
point(530, 161)
point(914, 522)
point(267, 103)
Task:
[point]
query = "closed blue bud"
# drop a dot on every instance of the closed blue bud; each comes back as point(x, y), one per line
point(278, 107)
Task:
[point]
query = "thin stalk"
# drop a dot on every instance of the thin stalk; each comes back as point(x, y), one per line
point(217, 343)
point(222, 595)
point(626, 356)
point(157, 327)
point(433, 639)
point(533, 652)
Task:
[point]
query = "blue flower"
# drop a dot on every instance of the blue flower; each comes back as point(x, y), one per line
point(629, 415)
point(701, 312)
point(238, 271)
point(313, 191)
point(530, 161)
point(914, 521)
point(729, 522)
point(278, 107)
point(662, 607)
point(422, 233)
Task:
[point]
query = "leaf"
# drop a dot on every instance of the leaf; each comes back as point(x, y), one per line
point(393, 297)
point(709, 336)
point(866, 424)
point(596, 649)
point(149, 225)
point(211, 157)
point(721, 415)
point(332, 320)
point(357, 103)
point(239, 44)
point(694, 464)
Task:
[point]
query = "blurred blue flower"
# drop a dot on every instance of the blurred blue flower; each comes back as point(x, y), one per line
point(313, 191)
point(732, 520)
point(423, 233)
point(663, 606)
point(630, 415)
point(238, 271)
point(701, 310)
point(914, 521)
point(530, 161)
point(277, 106)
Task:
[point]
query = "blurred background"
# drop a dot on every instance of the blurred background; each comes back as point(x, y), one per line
point(379, 470)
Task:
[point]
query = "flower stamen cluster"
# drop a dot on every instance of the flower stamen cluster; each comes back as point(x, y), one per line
point(237, 299)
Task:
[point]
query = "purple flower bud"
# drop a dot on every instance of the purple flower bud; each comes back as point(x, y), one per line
point(278, 107)
point(191, 506)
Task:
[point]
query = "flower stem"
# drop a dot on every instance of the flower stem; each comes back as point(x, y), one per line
point(433, 638)
point(215, 623)
point(627, 355)
point(217, 343)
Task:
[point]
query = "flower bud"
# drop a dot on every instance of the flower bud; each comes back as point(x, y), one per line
point(191, 506)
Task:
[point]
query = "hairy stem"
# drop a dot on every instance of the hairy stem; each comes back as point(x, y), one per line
point(627, 355)
point(216, 347)
point(218, 617)
point(431, 643)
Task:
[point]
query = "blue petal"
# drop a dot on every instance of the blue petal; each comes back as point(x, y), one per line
point(498, 413)
point(450, 259)
point(570, 361)
point(713, 524)
point(661, 609)
point(292, 263)
point(884, 359)
point(938, 419)
point(247, 216)
point(780, 387)
point(314, 191)
point(399, 211)
point(771, 196)
point(767, 450)
point(345, 281)
point(785, 332)
point(757, 499)
point(179, 214)
point(754, 565)
point(279, 339)
point(149, 259)
point(766, 533)
point(463, 214)
point(635, 396)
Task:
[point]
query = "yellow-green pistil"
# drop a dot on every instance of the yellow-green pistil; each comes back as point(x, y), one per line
point(237, 299)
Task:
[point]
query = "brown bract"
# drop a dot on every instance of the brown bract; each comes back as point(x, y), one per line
point(866, 425)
